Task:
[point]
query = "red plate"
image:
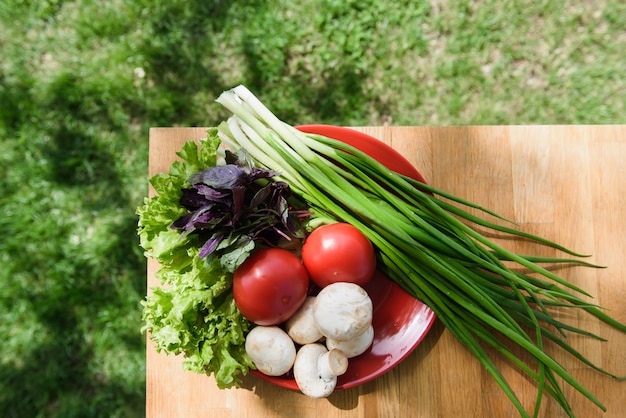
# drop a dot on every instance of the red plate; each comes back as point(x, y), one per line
point(400, 321)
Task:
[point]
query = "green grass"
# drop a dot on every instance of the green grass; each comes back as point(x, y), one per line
point(82, 81)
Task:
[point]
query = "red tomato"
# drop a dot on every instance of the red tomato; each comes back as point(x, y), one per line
point(270, 286)
point(338, 253)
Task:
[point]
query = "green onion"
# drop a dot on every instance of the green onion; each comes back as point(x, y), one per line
point(425, 245)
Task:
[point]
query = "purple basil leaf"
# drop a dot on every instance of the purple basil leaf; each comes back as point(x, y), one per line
point(293, 225)
point(210, 245)
point(208, 220)
point(279, 189)
point(187, 222)
point(204, 217)
point(282, 207)
point(182, 222)
point(226, 204)
point(239, 200)
point(191, 199)
point(261, 196)
point(210, 193)
point(261, 173)
point(220, 177)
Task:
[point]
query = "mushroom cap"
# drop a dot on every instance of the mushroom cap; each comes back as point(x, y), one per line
point(306, 373)
point(301, 326)
point(343, 311)
point(271, 350)
point(354, 347)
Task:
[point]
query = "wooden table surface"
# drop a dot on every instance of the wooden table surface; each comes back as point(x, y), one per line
point(566, 183)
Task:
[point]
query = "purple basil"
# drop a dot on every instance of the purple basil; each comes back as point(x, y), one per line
point(231, 206)
point(209, 246)
point(221, 177)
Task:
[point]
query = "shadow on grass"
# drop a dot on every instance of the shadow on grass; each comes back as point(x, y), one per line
point(88, 360)
point(71, 368)
point(338, 95)
point(178, 56)
point(187, 66)
point(80, 300)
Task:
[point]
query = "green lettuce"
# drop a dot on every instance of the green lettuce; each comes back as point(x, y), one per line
point(193, 312)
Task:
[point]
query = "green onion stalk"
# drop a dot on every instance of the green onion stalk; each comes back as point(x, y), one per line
point(425, 244)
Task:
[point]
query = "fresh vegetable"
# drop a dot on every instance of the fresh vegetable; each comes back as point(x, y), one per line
point(354, 346)
point(271, 350)
point(316, 369)
point(331, 327)
point(338, 252)
point(343, 311)
point(194, 313)
point(301, 325)
point(231, 207)
point(476, 287)
point(270, 286)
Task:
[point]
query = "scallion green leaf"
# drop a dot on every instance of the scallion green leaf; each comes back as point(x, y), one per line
point(428, 246)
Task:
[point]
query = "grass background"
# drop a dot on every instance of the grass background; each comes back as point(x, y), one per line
point(82, 81)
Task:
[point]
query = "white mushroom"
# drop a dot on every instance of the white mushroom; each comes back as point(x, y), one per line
point(271, 350)
point(354, 347)
point(316, 369)
point(301, 326)
point(342, 311)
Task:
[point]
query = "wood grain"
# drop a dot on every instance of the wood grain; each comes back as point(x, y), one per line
point(566, 183)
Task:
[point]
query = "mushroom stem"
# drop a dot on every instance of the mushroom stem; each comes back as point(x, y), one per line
point(331, 364)
point(313, 369)
point(354, 347)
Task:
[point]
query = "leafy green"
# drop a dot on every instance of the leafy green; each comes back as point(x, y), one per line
point(231, 207)
point(193, 313)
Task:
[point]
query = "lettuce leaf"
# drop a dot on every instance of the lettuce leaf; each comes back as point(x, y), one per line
point(193, 313)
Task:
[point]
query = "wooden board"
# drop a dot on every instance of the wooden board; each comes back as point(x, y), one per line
point(566, 183)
